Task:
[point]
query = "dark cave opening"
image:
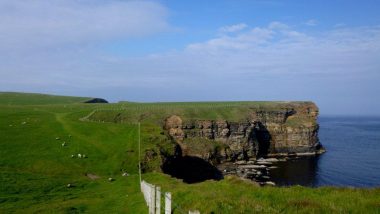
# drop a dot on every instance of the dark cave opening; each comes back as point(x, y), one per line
point(191, 169)
point(263, 137)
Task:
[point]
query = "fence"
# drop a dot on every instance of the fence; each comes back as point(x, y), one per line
point(152, 195)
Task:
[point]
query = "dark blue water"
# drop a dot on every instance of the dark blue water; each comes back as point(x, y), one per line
point(352, 157)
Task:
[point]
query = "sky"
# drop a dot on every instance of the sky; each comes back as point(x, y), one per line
point(326, 51)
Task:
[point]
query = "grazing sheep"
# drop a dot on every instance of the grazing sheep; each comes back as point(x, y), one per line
point(72, 156)
point(125, 174)
point(57, 138)
point(79, 156)
point(111, 179)
point(69, 185)
point(84, 156)
point(64, 143)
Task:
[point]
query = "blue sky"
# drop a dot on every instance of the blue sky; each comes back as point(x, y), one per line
point(170, 50)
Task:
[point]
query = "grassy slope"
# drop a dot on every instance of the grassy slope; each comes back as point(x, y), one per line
point(233, 195)
point(35, 168)
point(16, 98)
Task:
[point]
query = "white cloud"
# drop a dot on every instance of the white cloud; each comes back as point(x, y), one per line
point(311, 22)
point(264, 63)
point(255, 36)
point(275, 61)
point(233, 28)
point(278, 26)
point(45, 23)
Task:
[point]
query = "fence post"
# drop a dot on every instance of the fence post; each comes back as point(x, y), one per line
point(152, 200)
point(158, 200)
point(168, 203)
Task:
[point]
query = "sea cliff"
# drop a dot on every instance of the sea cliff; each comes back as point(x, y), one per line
point(289, 129)
point(206, 140)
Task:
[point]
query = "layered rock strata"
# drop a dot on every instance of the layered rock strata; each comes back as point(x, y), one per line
point(281, 132)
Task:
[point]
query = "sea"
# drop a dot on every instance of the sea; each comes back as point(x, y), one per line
point(352, 158)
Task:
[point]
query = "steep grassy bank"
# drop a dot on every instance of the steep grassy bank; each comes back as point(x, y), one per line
point(233, 195)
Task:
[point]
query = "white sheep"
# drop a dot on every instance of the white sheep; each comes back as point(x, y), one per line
point(79, 156)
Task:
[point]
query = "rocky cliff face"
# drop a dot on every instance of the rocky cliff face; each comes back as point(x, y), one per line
point(288, 130)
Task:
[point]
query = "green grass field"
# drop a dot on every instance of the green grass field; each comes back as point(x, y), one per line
point(15, 98)
point(35, 168)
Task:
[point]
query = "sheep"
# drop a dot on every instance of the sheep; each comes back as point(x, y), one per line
point(79, 156)
point(111, 179)
point(64, 143)
point(125, 174)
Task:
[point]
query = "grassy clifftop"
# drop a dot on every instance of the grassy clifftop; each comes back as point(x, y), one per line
point(17, 98)
point(35, 169)
point(231, 111)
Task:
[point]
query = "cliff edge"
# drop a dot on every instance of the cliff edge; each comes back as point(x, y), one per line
point(290, 128)
point(200, 140)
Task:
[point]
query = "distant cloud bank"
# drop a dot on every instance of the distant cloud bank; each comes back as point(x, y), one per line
point(233, 28)
point(44, 23)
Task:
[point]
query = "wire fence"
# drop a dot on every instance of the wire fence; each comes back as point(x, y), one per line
point(152, 193)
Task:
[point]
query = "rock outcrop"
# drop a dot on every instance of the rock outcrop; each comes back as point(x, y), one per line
point(96, 100)
point(285, 131)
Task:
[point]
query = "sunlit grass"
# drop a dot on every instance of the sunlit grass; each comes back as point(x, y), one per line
point(35, 168)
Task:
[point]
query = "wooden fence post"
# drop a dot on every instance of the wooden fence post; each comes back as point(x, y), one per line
point(152, 200)
point(168, 203)
point(158, 200)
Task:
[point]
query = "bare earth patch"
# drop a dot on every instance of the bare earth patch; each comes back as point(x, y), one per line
point(92, 176)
